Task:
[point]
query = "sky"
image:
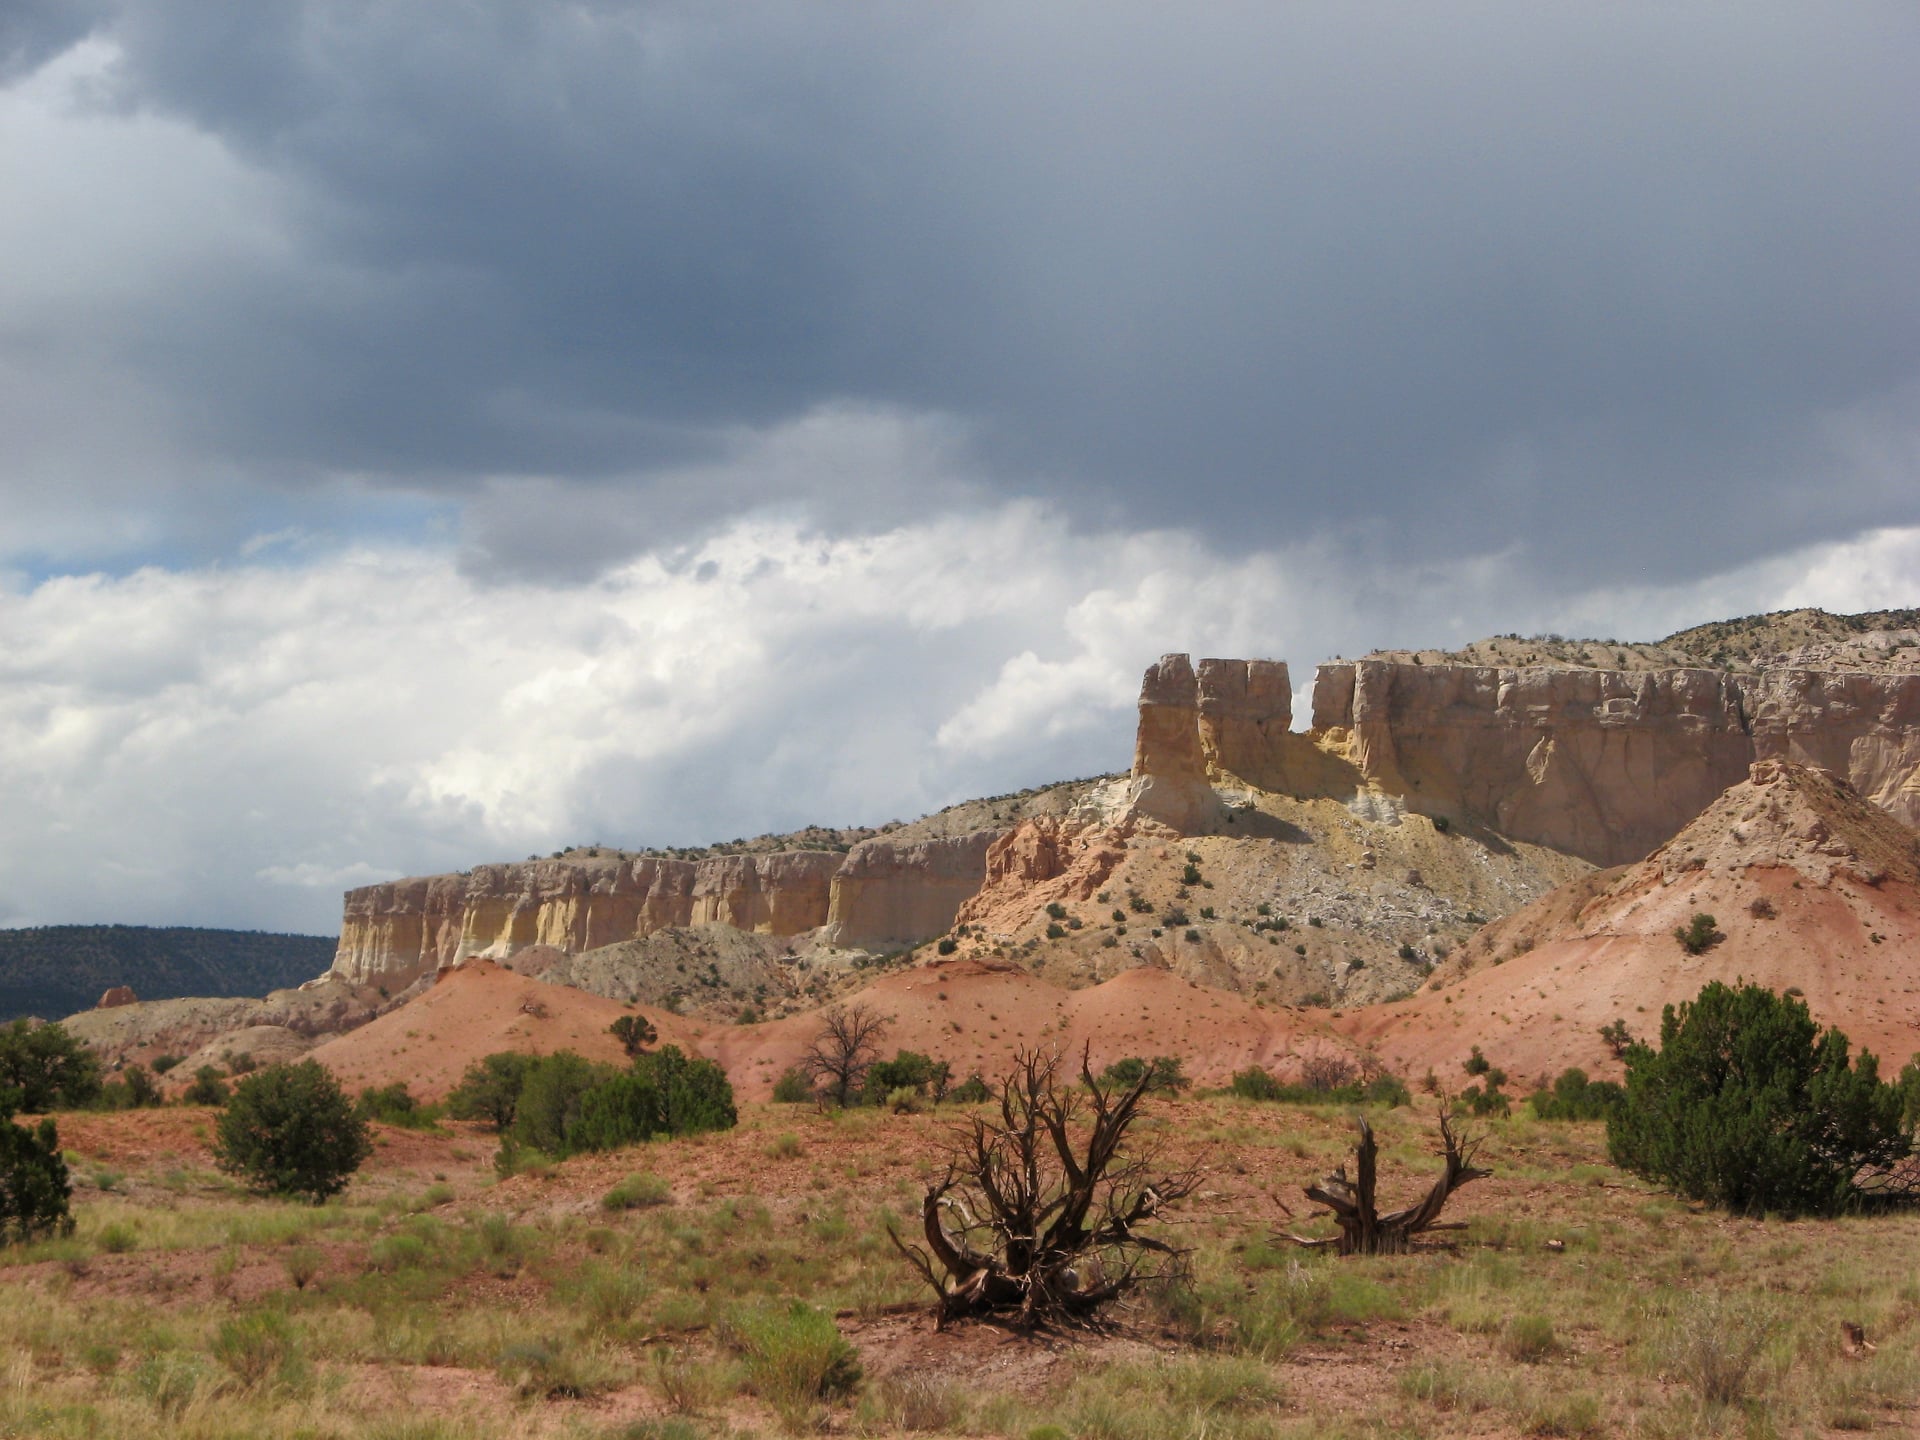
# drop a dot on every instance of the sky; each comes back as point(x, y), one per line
point(432, 434)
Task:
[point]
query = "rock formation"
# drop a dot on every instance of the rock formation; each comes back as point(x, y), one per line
point(1609, 764)
point(881, 895)
point(117, 996)
point(1602, 764)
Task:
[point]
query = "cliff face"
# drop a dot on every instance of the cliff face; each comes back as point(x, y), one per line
point(889, 895)
point(1603, 764)
point(879, 895)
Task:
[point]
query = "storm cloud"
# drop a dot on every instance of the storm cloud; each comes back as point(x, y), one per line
point(918, 372)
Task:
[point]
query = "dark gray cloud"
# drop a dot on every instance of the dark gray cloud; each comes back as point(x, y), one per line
point(1628, 288)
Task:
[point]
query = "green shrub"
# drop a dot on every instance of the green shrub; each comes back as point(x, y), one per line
point(49, 1068)
point(970, 1091)
point(947, 945)
point(1253, 1083)
point(553, 1093)
point(634, 1032)
point(696, 1093)
point(34, 1186)
point(1056, 911)
point(255, 1347)
point(490, 1089)
point(134, 1088)
point(636, 1192)
point(909, 1070)
point(1574, 1097)
point(794, 1356)
point(1749, 1105)
point(623, 1110)
point(290, 1130)
point(1698, 933)
point(163, 1063)
point(208, 1088)
point(393, 1105)
point(1168, 1072)
point(792, 1088)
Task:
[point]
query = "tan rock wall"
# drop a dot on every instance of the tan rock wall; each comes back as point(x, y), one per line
point(1606, 764)
point(888, 895)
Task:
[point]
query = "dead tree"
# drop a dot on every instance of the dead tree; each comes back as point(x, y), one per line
point(1037, 1221)
point(1363, 1229)
point(841, 1053)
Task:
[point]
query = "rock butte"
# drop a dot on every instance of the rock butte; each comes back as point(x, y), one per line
point(1605, 765)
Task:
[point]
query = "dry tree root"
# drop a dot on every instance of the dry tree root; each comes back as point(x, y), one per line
point(1363, 1229)
point(1037, 1220)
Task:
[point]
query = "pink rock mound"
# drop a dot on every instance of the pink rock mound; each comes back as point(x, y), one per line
point(119, 995)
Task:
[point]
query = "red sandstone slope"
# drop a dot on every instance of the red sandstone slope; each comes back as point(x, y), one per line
point(474, 1009)
point(1813, 888)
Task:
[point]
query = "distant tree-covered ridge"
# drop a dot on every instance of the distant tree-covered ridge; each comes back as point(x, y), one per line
point(55, 970)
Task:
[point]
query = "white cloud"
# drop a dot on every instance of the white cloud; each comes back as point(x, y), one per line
point(232, 745)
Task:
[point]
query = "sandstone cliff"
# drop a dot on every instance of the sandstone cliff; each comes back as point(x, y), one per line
point(880, 895)
point(1609, 764)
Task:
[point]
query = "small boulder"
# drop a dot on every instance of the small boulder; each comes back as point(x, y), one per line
point(119, 995)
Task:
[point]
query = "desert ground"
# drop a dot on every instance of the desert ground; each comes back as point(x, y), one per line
point(649, 1293)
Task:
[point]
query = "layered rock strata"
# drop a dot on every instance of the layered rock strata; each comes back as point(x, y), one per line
point(1602, 764)
point(879, 895)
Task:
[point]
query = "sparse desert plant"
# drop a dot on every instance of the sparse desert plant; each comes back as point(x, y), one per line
point(1749, 1105)
point(1698, 934)
point(637, 1192)
point(1529, 1339)
point(255, 1346)
point(290, 1130)
point(1716, 1344)
point(1761, 908)
point(1049, 1206)
point(303, 1264)
point(1616, 1037)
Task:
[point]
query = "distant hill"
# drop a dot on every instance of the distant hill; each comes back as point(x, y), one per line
point(55, 970)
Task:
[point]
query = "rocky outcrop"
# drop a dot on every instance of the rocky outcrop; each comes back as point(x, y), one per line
point(1220, 722)
point(117, 996)
point(889, 895)
point(392, 933)
point(881, 895)
point(1605, 764)
point(1049, 859)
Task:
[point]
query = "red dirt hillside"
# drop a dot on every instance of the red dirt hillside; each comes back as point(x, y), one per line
point(975, 1014)
point(1813, 888)
point(474, 1009)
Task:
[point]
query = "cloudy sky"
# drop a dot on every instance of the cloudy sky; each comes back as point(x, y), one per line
point(437, 433)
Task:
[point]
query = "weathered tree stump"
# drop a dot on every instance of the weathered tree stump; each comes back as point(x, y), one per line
point(1363, 1229)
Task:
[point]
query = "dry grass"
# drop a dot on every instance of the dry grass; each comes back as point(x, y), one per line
point(524, 1307)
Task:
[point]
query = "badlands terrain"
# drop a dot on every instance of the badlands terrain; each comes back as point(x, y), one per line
point(1484, 850)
